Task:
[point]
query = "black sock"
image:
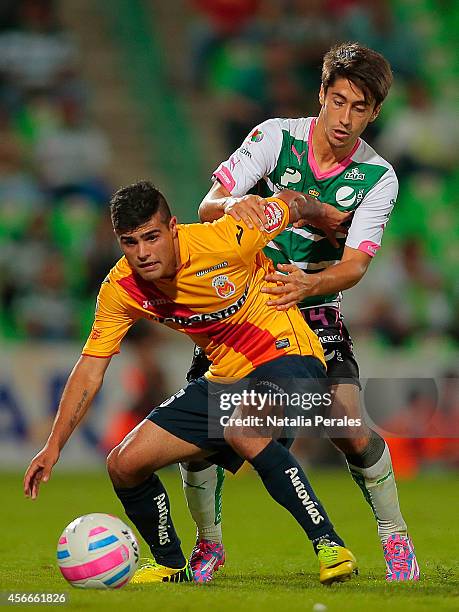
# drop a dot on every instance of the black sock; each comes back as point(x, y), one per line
point(370, 455)
point(147, 505)
point(286, 482)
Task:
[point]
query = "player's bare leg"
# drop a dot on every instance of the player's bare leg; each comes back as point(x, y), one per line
point(132, 465)
point(370, 465)
point(145, 449)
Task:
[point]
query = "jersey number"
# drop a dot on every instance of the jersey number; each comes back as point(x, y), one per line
point(172, 398)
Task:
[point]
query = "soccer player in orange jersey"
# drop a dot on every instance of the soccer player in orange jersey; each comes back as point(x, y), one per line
point(204, 280)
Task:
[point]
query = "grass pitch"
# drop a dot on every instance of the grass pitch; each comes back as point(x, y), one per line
point(270, 565)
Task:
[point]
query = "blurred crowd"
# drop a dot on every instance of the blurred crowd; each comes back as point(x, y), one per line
point(424, 432)
point(255, 60)
point(53, 163)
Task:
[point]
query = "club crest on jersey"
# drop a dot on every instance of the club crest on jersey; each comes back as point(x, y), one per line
point(354, 175)
point(256, 136)
point(313, 192)
point(274, 214)
point(223, 286)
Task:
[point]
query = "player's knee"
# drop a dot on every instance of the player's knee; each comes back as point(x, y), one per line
point(234, 437)
point(112, 463)
point(229, 435)
point(120, 467)
point(352, 446)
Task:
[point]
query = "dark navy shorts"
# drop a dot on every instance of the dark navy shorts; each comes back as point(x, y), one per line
point(190, 416)
point(327, 323)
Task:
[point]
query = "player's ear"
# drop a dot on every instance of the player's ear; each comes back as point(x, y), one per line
point(321, 95)
point(173, 226)
point(117, 236)
point(375, 113)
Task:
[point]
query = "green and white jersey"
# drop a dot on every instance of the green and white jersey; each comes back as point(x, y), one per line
point(278, 154)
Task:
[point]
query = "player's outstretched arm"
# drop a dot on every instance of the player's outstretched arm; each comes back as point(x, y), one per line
point(305, 209)
point(82, 385)
point(219, 202)
point(294, 285)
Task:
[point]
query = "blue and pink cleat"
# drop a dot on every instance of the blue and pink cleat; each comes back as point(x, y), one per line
point(400, 559)
point(206, 558)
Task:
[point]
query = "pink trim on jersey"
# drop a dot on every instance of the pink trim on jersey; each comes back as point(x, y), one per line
point(369, 247)
point(342, 165)
point(225, 177)
point(62, 540)
point(97, 566)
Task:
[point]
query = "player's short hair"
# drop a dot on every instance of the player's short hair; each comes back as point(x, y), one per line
point(132, 206)
point(366, 68)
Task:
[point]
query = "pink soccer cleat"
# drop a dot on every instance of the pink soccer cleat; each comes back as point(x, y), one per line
point(400, 559)
point(206, 558)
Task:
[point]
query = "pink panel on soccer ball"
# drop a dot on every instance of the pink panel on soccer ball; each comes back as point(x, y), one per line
point(96, 567)
point(97, 530)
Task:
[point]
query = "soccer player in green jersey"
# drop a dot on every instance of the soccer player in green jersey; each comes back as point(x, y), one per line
point(323, 157)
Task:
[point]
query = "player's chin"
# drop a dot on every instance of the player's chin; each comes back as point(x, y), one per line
point(150, 274)
point(338, 143)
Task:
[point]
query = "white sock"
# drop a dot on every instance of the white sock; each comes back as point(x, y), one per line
point(378, 486)
point(203, 492)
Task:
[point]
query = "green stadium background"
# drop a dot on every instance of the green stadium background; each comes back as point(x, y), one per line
point(100, 94)
point(95, 94)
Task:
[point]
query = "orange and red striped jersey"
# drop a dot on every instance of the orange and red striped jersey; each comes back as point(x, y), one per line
point(214, 298)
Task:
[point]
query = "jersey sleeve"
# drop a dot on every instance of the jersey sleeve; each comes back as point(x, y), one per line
point(112, 321)
point(236, 236)
point(255, 158)
point(371, 217)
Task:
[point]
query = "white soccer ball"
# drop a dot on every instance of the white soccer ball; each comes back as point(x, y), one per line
point(97, 551)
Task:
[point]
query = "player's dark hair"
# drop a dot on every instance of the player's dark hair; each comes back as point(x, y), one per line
point(366, 68)
point(132, 206)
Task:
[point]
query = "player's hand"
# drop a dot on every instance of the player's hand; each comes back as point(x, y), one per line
point(293, 286)
point(333, 221)
point(249, 209)
point(40, 470)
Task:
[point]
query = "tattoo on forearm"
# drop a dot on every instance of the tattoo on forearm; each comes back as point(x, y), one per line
point(79, 408)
